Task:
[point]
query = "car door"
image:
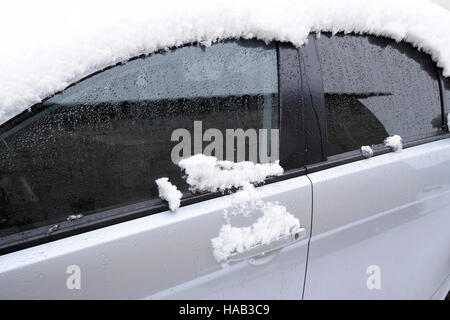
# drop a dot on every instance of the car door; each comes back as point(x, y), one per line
point(81, 217)
point(380, 224)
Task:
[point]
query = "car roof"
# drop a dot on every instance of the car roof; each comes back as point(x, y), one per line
point(48, 46)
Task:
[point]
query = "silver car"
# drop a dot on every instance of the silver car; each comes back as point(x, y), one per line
point(80, 216)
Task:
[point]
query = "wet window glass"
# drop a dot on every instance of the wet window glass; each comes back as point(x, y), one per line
point(375, 87)
point(102, 142)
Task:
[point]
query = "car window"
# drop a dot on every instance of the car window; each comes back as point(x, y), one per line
point(102, 142)
point(375, 87)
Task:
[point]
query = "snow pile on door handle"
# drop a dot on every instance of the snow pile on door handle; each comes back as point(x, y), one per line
point(206, 173)
point(275, 222)
point(46, 46)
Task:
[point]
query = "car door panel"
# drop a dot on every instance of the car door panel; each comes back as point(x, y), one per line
point(390, 211)
point(164, 255)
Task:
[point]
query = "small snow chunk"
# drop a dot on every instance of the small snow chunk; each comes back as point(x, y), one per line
point(206, 173)
point(52, 229)
point(244, 202)
point(394, 142)
point(366, 151)
point(246, 195)
point(169, 192)
point(74, 217)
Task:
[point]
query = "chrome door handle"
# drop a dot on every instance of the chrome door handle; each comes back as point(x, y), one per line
point(266, 249)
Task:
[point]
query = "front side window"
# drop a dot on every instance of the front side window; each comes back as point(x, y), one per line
point(375, 87)
point(103, 142)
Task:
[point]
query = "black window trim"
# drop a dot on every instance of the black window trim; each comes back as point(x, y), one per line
point(444, 106)
point(288, 91)
point(315, 127)
point(291, 117)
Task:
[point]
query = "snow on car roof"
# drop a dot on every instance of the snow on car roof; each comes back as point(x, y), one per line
point(45, 46)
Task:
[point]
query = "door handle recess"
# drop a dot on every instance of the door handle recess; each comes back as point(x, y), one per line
point(262, 250)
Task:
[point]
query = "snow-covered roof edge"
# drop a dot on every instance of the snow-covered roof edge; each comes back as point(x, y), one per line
point(44, 53)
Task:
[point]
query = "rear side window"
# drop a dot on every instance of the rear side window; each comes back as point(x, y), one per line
point(375, 87)
point(103, 142)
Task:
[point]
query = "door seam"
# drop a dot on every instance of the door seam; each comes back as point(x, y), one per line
point(310, 236)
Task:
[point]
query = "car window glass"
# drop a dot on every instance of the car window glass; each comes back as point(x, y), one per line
point(375, 87)
point(103, 142)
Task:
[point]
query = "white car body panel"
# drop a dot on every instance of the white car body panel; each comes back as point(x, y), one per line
point(165, 255)
point(391, 211)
